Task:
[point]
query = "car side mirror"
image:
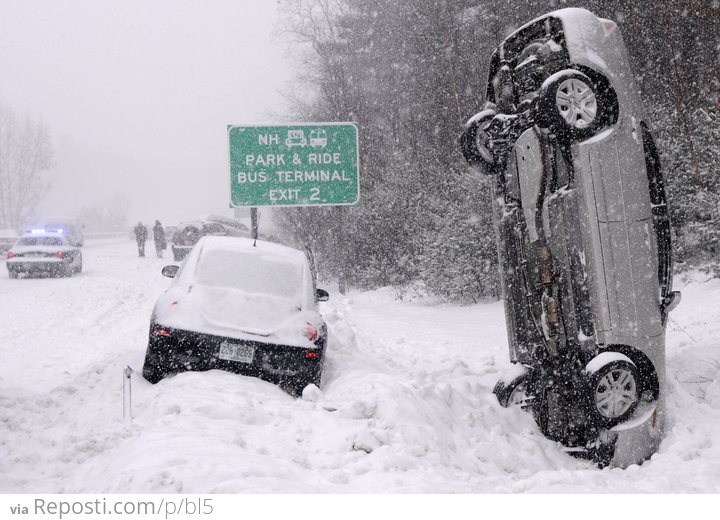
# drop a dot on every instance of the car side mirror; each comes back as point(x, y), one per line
point(671, 301)
point(321, 295)
point(170, 270)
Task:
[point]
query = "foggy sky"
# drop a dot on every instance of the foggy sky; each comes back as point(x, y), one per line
point(137, 95)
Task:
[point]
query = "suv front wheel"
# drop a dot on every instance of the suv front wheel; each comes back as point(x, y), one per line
point(573, 106)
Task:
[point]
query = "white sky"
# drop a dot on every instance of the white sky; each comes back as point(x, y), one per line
point(137, 95)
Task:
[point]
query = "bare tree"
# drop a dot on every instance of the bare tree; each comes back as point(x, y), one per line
point(25, 151)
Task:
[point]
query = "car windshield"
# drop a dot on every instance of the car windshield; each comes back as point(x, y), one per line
point(252, 273)
point(40, 241)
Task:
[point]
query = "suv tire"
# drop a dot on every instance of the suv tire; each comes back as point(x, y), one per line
point(573, 106)
point(613, 390)
point(475, 142)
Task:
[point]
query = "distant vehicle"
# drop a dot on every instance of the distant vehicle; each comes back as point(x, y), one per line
point(583, 235)
point(318, 138)
point(44, 254)
point(169, 231)
point(70, 227)
point(187, 235)
point(252, 310)
point(8, 237)
point(295, 138)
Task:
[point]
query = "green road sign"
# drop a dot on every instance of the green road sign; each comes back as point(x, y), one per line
point(303, 164)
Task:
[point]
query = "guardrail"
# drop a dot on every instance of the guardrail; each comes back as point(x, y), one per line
point(107, 234)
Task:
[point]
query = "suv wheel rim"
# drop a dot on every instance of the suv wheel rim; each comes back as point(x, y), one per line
point(615, 393)
point(576, 102)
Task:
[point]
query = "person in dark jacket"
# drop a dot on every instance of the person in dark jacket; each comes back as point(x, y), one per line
point(141, 234)
point(159, 237)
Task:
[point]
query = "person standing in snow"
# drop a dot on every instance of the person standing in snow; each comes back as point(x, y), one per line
point(141, 234)
point(159, 237)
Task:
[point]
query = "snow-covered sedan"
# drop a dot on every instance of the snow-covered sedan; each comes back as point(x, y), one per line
point(241, 305)
point(45, 254)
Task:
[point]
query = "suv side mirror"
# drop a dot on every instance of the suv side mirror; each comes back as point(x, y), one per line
point(321, 295)
point(671, 301)
point(170, 270)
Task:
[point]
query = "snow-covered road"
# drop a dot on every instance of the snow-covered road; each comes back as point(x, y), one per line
point(405, 404)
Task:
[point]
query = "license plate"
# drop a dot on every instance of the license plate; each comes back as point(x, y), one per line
point(233, 352)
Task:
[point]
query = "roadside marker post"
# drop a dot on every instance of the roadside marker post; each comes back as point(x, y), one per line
point(127, 394)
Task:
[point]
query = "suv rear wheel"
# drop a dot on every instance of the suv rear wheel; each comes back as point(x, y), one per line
point(613, 388)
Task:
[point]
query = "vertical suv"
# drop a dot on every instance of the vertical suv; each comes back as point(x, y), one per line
point(583, 235)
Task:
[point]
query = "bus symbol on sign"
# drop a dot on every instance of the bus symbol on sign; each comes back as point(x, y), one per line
point(318, 138)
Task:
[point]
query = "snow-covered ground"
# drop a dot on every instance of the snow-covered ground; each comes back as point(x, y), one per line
point(405, 404)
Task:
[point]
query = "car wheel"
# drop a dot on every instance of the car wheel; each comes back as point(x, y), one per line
point(78, 268)
point(178, 255)
point(613, 388)
point(153, 368)
point(575, 107)
point(476, 144)
point(12, 273)
point(511, 389)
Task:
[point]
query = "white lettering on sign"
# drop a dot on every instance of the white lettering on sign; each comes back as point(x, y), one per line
point(271, 159)
point(312, 176)
point(268, 139)
point(251, 177)
point(288, 194)
point(324, 158)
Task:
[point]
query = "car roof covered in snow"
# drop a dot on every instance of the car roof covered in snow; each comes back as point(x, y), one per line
point(250, 246)
point(41, 239)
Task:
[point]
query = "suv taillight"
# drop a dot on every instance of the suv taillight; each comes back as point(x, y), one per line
point(10, 254)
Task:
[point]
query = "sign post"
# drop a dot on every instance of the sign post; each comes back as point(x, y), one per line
point(304, 164)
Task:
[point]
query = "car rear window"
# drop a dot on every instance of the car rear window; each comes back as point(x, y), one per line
point(252, 273)
point(40, 241)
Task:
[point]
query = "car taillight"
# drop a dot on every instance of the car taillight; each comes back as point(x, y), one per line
point(60, 254)
point(313, 354)
point(161, 331)
point(310, 332)
point(10, 254)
